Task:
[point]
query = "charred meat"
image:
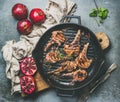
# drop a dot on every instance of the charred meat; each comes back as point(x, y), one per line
point(78, 75)
point(74, 47)
point(56, 38)
point(71, 49)
point(82, 60)
point(53, 56)
point(68, 66)
point(75, 60)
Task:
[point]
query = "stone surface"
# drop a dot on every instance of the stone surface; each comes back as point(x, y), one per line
point(107, 92)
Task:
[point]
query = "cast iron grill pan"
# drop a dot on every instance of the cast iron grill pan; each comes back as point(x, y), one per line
point(94, 52)
point(70, 34)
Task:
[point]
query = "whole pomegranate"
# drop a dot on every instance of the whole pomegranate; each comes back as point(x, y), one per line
point(24, 27)
point(37, 16)
point(27, 84)
point(19, 11)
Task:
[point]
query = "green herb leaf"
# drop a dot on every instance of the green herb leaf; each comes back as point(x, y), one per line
point(60, 54)
point(101, 12)
point(70, 56)
point(93, 13)
point(105, 14)
point(102, 9)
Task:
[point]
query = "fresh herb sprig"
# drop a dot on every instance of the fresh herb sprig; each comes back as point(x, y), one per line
point(60, 54)
point(101, 13)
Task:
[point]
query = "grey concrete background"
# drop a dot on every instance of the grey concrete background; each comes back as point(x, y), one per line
point(107, 92)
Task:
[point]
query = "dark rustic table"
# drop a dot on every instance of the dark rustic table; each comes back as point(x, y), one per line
point(108, 91)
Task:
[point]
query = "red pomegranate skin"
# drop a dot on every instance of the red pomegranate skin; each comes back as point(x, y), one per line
point(20, 11)
point(24, 27)
point(28, 66)
point(37, 16)
point(27, 84)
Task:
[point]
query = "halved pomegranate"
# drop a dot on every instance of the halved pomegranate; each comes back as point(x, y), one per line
point(28, 66)
point(27, 84)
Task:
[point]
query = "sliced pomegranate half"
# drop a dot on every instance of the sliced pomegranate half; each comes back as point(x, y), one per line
point(28, 66)
point(27, 84)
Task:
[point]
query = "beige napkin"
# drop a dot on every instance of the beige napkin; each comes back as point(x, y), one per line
point(14, 51)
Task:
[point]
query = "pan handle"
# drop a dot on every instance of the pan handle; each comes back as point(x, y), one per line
point(65, 93)
point(68, 17)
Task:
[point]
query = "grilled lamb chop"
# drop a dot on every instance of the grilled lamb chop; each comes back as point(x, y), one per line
point(55, 55)
point(68, 66)
point(56, 38)
point(52, 56)
point(78, 75)
point(82, 60)
point(74, 47)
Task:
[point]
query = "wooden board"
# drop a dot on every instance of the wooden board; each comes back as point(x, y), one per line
point(103, 39)
point(40, 84)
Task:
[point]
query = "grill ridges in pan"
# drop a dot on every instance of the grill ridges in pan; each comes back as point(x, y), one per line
point(70, 35)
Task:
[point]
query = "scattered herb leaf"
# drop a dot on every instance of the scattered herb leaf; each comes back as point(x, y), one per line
point(101, 12)
point(70, 56)
point(60, 54)
point(93, 13)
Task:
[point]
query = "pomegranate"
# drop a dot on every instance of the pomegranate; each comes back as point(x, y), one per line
point(28, 66)
point(27, 84)
point(24, 27)
point(37, 16)
point(19, 11)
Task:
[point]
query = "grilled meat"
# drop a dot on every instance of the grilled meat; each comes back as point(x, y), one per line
point(56, 38)
point(82, 60)
point(68, 66)
point(78, 75)
point(71, 49)
point(77, 38)
point(58, 35)
point(74, 47)
point(52, 56)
